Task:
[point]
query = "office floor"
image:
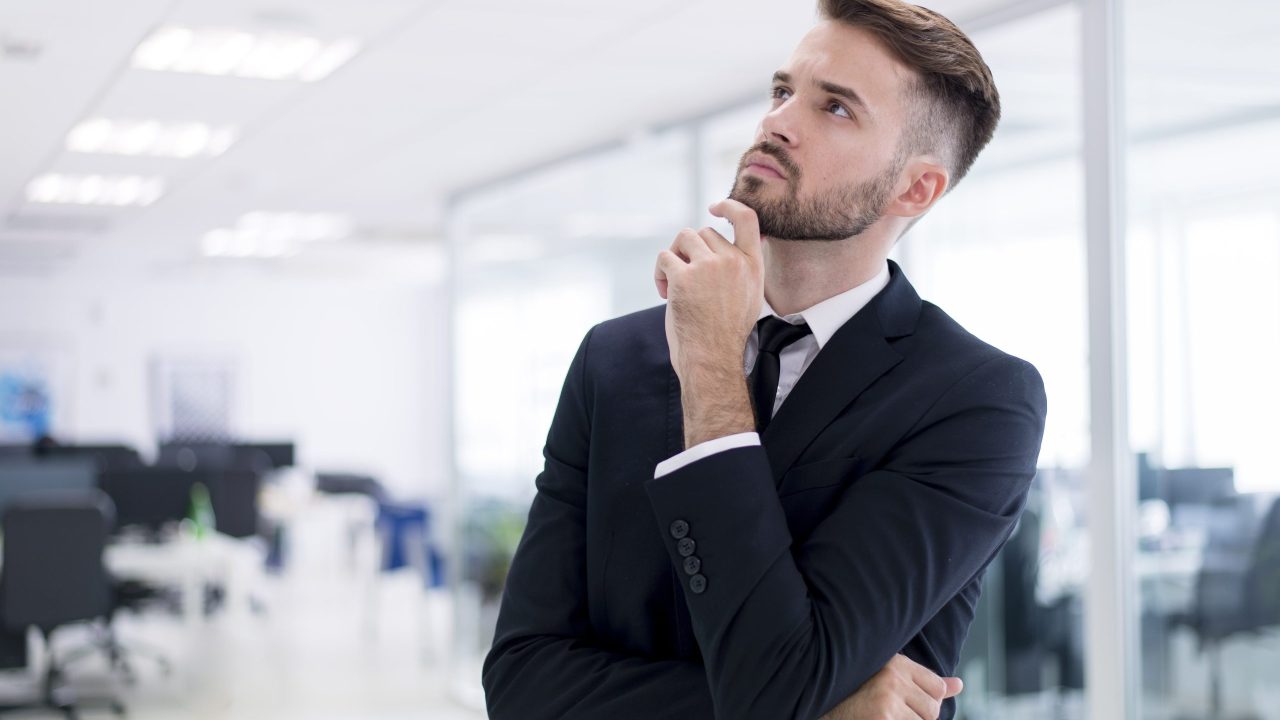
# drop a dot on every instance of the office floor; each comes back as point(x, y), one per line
point(326, 645)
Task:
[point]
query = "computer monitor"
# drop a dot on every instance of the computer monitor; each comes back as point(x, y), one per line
point(1196, 485)
point(150, 498)
point(107, 457)
point(195, 455)
point(275, 454)
point(24, 477)
point(259, 457)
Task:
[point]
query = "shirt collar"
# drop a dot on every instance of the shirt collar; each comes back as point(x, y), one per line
point(826, 317)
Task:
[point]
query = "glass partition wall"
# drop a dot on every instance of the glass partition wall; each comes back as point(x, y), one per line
point(1202, 110)
point(541, 256)
point(539, 259)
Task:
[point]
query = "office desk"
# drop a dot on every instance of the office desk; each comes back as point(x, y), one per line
point(183, 562)
point(186, 563)
point(1065, 571)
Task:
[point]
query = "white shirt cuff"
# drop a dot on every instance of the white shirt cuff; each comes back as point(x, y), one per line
point(704, 449)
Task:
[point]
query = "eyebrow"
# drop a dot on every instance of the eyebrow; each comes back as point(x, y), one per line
point(845, 92)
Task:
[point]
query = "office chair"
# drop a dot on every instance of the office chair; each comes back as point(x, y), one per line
point(1262, 580)
point(53, 575)
point(1220, 608)
point(234, 495)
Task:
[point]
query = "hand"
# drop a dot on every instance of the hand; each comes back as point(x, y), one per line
point(902, 690)
point(714, 290)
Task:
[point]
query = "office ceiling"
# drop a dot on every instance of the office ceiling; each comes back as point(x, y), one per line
point(443, 95)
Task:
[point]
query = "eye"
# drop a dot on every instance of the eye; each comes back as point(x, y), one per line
point(839, 109)
point(779, 93)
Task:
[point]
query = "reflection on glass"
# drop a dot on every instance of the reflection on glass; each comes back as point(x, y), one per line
point(1203, 289)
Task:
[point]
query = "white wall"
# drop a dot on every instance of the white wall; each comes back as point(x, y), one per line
point(351, 367)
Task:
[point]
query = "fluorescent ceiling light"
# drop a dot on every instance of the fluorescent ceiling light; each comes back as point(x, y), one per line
point(264, 234)
point(118, 190)
point(219, 51)
point(149, 137)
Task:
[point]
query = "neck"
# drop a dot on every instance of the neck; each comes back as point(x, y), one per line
point(801, 274)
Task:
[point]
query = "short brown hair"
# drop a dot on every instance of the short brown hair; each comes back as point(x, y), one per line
point(955, 108)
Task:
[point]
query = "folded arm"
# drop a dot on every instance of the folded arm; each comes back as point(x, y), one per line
point(787, 632)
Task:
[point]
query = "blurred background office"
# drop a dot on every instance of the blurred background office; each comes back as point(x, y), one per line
point(288, 290)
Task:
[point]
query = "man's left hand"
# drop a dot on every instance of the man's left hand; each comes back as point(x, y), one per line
point(714, 290)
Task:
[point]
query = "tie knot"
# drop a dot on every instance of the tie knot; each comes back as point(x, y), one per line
point(776, 333)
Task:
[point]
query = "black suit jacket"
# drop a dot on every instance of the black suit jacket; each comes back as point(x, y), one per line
point(886, 482)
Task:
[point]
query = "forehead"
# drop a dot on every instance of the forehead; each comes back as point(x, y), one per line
point(851, 56)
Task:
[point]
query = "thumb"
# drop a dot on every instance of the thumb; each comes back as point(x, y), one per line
point(954, 686)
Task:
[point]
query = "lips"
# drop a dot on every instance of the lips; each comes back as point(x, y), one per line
point(764, 165)
point(764, 170)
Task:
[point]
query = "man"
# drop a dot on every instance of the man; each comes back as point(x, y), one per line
point(775, 496)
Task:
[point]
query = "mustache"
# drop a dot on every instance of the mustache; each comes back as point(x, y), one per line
point(777, 152)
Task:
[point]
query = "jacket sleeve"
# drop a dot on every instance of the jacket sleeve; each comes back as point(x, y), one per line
point(790, 631)
point(543, 663)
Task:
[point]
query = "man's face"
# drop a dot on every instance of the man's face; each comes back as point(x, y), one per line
point(825, 160)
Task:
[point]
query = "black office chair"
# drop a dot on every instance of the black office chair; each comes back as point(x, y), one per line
point(53, 575)
point(234, 495)
point(1220, 608)
point(1262, 580)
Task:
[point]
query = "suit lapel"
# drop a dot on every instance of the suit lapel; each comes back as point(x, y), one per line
point(857, 355)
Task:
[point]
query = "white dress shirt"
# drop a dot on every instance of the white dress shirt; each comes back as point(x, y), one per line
point(824, 320)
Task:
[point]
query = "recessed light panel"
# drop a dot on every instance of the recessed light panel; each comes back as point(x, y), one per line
point(221, 51)
point(150, 137)
point(111, 190)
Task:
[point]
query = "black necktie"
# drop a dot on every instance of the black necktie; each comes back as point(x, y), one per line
point(775, 334)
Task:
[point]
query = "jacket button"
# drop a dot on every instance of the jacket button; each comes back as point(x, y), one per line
point(692, 565)
point(698, 584)
point(686, 547)
point(679, 529)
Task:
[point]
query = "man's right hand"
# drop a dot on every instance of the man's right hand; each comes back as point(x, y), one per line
point(902, 690)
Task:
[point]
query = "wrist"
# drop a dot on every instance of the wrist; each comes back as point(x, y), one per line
point(715, 405)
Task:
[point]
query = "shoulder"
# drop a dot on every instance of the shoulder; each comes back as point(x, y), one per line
point(639, 335)
point(971, 363)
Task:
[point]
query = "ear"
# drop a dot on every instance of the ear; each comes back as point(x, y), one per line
point(928, 180)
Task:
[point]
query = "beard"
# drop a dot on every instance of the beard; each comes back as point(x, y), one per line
point(836, 213)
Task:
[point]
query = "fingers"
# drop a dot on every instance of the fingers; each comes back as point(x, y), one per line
point(667, 264)
point(714, 240)
point(924, 678)
point(924, 705)
point(746, 226)
point(954, 686)
point(691, 245)
point(688, 246)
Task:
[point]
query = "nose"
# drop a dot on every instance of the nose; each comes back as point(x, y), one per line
point(779, 125)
